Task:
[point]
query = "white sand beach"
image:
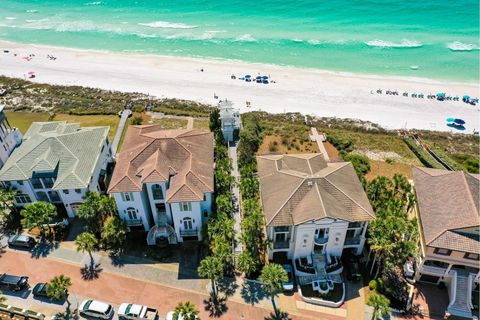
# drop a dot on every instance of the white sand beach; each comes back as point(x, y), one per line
point(314, 92)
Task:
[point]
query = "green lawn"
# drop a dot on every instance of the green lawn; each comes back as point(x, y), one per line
point(171, 123)
point(201, 124)
point(23, 120)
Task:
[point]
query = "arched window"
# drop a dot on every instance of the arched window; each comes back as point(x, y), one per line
point(187, 223)
point(157, 192)
point(132, 213)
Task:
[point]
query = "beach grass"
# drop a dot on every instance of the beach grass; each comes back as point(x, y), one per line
point(201, 124)
point(386, 169)
point(93, 121)
point(171, 123)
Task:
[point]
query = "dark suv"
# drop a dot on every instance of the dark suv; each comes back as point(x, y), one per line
point(18, 240)
point(14, 283)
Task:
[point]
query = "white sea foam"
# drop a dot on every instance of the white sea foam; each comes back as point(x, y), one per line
point(246, 38)
point(313, 41)
point(297, 40)
point(167, 25)
point(95, 3)
point(388, 44)
point(459, 46)
point(32, 11)
point(10, 18)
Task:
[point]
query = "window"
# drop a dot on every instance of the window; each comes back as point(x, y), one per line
point(78, 191)
point(205, 214)
point(354, 225)
point(471, 256)
point(157, 192)
point(281, 234)
point(42, 196)
point(54, 197)
point(281, 229)
point(7, 184)
point(435, 263)
point(37, 184)
point(127, 196)
point(66, 191)
point(187, 223)
point(20, 182)
point(443, 252)
point(132, 213)
point(321, 233)
point(48, 182)
point(185, 206)
point(22, 198)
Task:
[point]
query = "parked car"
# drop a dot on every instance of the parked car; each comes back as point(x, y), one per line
point(128, 311)
point(170, 316)
point(96, 309)
point(14, 283)
point(40, 290)
point(19, 240)
point(288, 286)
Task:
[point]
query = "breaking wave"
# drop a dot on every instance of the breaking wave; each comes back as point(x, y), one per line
point(388, 44)
point(459, 46)
point(167, 25)
point(246, 38)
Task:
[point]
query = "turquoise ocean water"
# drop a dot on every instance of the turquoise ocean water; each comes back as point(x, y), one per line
point(438, 38)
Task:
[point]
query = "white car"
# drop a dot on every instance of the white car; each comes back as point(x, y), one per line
point(130, 311)
point(96, 309)
point(288, 286)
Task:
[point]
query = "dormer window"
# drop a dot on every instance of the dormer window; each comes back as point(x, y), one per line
point(157, 192)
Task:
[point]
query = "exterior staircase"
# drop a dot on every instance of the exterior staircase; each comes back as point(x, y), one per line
point(163, 229)
point(460, 307)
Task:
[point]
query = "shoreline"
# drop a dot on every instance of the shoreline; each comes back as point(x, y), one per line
point(199, 59)
point(309, 91)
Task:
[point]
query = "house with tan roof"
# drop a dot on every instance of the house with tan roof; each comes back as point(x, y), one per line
point(314, 210)
point(448, 214)
point(58, 162)
point(163, 182)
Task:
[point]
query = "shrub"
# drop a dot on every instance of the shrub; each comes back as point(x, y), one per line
point(272, 147)
point(136, 121)
point(359, 162)
point(372, 285)
point(342, 144)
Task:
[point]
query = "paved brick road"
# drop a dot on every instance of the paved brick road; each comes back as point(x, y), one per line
point(116, 289)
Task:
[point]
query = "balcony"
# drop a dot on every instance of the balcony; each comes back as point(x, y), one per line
point(355, 241)
point(433, 270)
point(133, 222)
point(188, 232)
point(281, 245)
point(321, 240)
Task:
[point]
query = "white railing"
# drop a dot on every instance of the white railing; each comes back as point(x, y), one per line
point(452, 291)
point(321, 302)
point(471, 279)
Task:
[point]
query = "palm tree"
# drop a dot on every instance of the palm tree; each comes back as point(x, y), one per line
point(7, 206)
point(273, 276)
point(185, 311)
point(246, 263)
point(86, 242)
point(57, 288)
point(38, 214)
point(211, 268)
point(380, 305)
point(114, 233)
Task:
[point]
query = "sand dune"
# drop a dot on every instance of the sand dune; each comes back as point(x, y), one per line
point(308, 91)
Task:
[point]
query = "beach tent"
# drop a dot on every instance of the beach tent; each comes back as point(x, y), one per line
point(466, 97)
point(248, 76)
point(264, 77)
point(450, 119)
point(459, 121)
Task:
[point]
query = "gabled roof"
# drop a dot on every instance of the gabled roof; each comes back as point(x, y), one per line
point(448, 208)
point(149, 154)
point(58, 148)
point(304, 187)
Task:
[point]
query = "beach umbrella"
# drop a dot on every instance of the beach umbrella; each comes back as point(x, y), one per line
point(265, 77)
point(466, 97)
point(258, 77)
point(31, 72)
point(440, 95)
point(248, 76)
point(450, 119)
point(459, 121)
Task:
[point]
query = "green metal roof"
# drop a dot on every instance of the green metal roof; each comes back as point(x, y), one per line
point(65, 148)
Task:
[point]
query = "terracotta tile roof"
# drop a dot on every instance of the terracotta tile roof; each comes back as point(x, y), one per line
point(149, 154)
point(448, 208)
point(304, 187)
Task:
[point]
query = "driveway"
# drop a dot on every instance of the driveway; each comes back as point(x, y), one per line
point(114, 288)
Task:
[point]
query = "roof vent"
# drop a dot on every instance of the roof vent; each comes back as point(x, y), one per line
point(310, 183)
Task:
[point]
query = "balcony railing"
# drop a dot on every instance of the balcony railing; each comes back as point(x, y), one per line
point(133, 222)
point(433, 270)
point(281, 245)
point(352, 241)
point(188, 232)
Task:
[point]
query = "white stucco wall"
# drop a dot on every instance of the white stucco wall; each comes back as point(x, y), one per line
point(152, 202)
point(104, 158)
point(139, 203)
point(178, 216)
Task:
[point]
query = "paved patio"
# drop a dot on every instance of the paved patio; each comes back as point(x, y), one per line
point(433, 301)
